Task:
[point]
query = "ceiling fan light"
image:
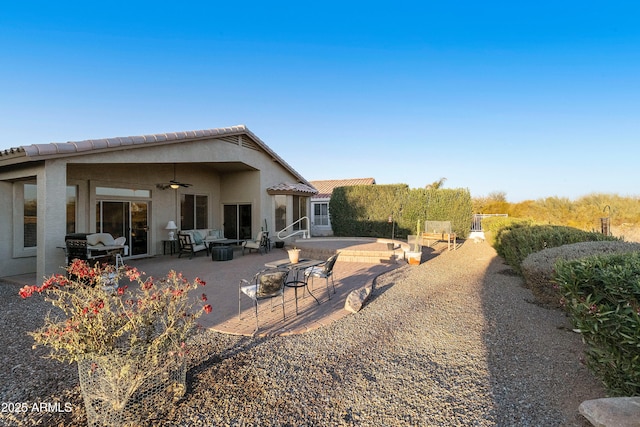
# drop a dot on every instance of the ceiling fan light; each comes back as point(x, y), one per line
point(174, 186)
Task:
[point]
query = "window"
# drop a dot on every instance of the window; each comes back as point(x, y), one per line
point(299, 211)
point(321, 214)
point(72, 197)
point(193, 212)
point(280, 211)
point(122, 192)
point(30, 215)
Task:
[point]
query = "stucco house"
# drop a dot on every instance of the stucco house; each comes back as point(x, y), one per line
point(226, 178)
point(320, 215)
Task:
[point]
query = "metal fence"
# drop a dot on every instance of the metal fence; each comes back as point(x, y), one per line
point(476, 223)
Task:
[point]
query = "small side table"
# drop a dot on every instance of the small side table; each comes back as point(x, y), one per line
point(173, 246)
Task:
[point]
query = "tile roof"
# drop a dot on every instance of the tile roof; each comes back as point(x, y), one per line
point(325, 187)
point(292, 188)
point(33, 152)
point(53, 148)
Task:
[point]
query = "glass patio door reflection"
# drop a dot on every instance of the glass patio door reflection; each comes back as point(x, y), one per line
point(237, 222)
point(128, 219)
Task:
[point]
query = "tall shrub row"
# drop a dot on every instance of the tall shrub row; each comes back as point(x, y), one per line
point(602, 295)
point(514, 244)
point(365, 210)
point(583, 213)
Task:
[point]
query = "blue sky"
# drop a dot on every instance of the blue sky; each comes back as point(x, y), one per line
point(533, 99)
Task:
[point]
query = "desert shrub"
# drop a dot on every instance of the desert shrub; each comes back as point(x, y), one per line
point(516, 243)
point(538, 268)
point(583, 213)
point(602, 295)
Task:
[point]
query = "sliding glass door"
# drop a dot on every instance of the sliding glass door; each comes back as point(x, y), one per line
point(237, 222)
point(125, 218)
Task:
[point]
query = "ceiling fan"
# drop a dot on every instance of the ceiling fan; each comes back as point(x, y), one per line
point(173, 183)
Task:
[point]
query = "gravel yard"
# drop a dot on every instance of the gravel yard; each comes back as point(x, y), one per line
point(454, 341)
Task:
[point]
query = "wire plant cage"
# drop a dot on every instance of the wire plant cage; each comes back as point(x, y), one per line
point(122, 390)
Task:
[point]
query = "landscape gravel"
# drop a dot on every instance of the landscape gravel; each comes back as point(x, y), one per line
point(456, 341)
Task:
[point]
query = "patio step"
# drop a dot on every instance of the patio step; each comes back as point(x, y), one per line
point(347, 255)
point(365, 251)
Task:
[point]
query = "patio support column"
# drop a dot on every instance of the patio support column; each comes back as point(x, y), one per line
point(52, 214)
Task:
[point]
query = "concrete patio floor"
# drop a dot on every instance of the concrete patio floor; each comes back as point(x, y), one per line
point(222, 279)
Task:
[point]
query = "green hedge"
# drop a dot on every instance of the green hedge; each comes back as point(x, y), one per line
point(602, 295)
point(364, 210)
point(492, 225)
point(514, 244)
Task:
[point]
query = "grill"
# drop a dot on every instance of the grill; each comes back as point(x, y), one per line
point(76, 244)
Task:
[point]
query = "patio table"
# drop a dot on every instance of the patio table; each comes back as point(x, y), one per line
point(223, 242)
point(296, 268)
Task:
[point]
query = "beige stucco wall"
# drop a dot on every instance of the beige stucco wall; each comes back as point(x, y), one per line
point(226, 172)
point(14, 260)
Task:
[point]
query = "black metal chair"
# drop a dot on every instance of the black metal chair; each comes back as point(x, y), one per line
point(267, 284)
point(323, 271)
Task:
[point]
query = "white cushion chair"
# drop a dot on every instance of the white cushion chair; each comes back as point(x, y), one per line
point(259, 244)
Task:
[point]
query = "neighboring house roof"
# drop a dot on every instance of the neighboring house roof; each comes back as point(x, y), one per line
point(35, 152)
point(325, 188)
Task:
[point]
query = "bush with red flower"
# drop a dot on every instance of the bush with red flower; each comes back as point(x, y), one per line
point(127, 333)
point(105, 309)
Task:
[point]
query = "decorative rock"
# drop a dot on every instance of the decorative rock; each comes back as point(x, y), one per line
point(356, 299)
point(612, 411)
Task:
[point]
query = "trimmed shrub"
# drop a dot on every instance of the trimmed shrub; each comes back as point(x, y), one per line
point(602, 296)
point(493, 225)
point(516, 243)
point(538, 268)
point(441, 204)
point(364, 210)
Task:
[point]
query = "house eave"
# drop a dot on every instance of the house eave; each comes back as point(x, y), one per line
point(33, 152)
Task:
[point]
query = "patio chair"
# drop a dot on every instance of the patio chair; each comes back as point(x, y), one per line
point(261, 243)
point(266, 284)
point(189, 246)
point(323, 271)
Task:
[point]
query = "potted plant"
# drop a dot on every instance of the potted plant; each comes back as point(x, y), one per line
point(414, 255)
point(294, 255)
point(129, 342)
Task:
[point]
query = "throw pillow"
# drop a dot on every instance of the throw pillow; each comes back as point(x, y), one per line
point(197, 238)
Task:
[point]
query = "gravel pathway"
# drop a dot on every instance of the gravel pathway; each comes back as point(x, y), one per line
point(455, 341)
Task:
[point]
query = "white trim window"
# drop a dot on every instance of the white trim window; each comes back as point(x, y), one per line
point(321, 214)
